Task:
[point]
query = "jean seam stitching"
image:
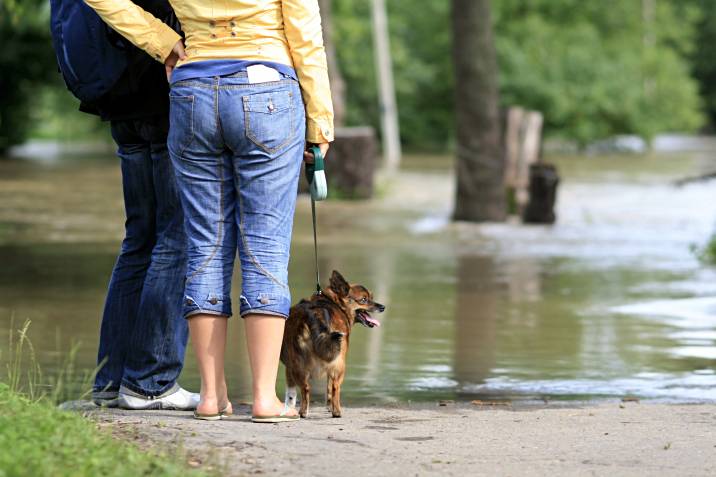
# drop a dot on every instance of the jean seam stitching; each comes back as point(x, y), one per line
point(220, 230)
point(255, 140)
point(217, 117)
point(199, 84)
point(253, 311)
point(248, 251)
point(191, 129)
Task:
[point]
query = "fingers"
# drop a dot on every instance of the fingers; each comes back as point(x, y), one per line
point(179, 50)
point(308, 155)
point(177, 54)
point(324, 149)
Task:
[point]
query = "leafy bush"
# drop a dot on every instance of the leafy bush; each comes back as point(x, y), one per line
point(588, 66)
point(26, 61)
point(598, 69)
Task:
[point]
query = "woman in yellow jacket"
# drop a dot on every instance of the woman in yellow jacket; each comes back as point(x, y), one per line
point(249, 90)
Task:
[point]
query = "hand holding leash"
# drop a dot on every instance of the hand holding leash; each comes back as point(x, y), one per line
point(316, 175)
point(308, 153)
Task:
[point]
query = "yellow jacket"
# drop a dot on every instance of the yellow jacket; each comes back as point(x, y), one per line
point(282, 31)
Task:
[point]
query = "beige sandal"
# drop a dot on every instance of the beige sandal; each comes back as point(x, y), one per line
point(282, 417)
point(214, 417)
point(207, 417)
point(226, 412)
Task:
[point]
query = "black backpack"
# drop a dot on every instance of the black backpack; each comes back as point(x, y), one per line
point(91, 56)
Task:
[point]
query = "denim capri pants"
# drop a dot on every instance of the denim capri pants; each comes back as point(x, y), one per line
point(237, 150)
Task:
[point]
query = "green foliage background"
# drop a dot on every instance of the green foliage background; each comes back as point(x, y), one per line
point(26, 63)
point(583, 63)
point(588, 65)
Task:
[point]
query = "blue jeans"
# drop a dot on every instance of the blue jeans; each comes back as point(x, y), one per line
point(237, 150)
point(143, 335)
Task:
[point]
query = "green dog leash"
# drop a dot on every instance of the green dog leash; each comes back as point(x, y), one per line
point(316, 177)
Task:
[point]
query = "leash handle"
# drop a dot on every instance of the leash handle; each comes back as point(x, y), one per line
point(316, 175)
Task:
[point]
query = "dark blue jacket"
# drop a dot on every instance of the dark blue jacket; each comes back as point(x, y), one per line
point(142, 91)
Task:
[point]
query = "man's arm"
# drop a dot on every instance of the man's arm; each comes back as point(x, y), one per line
point(139, 27)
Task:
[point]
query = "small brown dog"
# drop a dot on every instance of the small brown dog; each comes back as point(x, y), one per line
point(316, 338)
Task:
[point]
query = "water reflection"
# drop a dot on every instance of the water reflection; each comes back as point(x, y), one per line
point(609, 301)
point(475, 319)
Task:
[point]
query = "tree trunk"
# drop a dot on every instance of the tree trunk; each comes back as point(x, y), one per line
point(338, 85)
point(350, 165)
point(480, 158)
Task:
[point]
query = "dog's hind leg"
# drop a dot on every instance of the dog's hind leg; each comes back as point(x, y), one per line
point(329, 391)
point(305, 396)
point(336, 410)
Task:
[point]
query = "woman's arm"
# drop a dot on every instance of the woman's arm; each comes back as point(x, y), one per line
point(302, 24)
point(137, 26)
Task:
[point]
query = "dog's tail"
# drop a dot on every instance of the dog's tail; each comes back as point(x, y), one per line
point(326, 343)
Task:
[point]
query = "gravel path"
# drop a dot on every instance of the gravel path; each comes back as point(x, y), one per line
point(610, 439)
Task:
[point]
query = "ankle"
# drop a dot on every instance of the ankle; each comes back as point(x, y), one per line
point(223, 393)
point(209, 398)
point(265, 399)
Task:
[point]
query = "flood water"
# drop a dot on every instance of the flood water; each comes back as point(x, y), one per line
point(610, 301)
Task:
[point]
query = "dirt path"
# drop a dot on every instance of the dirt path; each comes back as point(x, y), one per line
point(609, 439)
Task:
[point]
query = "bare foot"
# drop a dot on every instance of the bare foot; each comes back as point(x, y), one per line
point(208, 406)
point(212, 405)
point(272, 407)
point(226, 408)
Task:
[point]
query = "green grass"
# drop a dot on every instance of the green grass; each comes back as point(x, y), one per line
point(24, 375)
point(38, 439)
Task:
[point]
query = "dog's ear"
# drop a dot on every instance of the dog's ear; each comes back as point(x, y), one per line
point(339, 284)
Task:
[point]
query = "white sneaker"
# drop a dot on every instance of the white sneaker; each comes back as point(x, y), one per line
point(177, 398)
point(105, 398)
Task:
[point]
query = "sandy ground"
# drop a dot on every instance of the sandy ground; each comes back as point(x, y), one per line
point(611, 439)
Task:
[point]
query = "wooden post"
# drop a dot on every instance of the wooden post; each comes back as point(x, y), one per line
point(528, 155)
point(513, 137)
point(388, 105)
point(523, 137)
point(542, 195)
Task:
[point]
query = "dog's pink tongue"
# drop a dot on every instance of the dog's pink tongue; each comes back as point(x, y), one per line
point(372, 321)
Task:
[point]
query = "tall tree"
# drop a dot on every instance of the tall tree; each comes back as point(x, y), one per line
point(480, 159)
point(338, 85)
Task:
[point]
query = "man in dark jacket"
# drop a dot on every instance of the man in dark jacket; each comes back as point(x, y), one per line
point(143, 335)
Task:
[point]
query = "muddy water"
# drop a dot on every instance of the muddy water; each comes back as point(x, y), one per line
point(609, 302)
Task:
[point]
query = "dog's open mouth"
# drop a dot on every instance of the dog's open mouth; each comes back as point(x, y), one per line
point(364, 318)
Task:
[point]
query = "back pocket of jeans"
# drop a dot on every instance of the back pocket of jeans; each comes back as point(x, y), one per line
point(181, 124)
point(269, 119)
